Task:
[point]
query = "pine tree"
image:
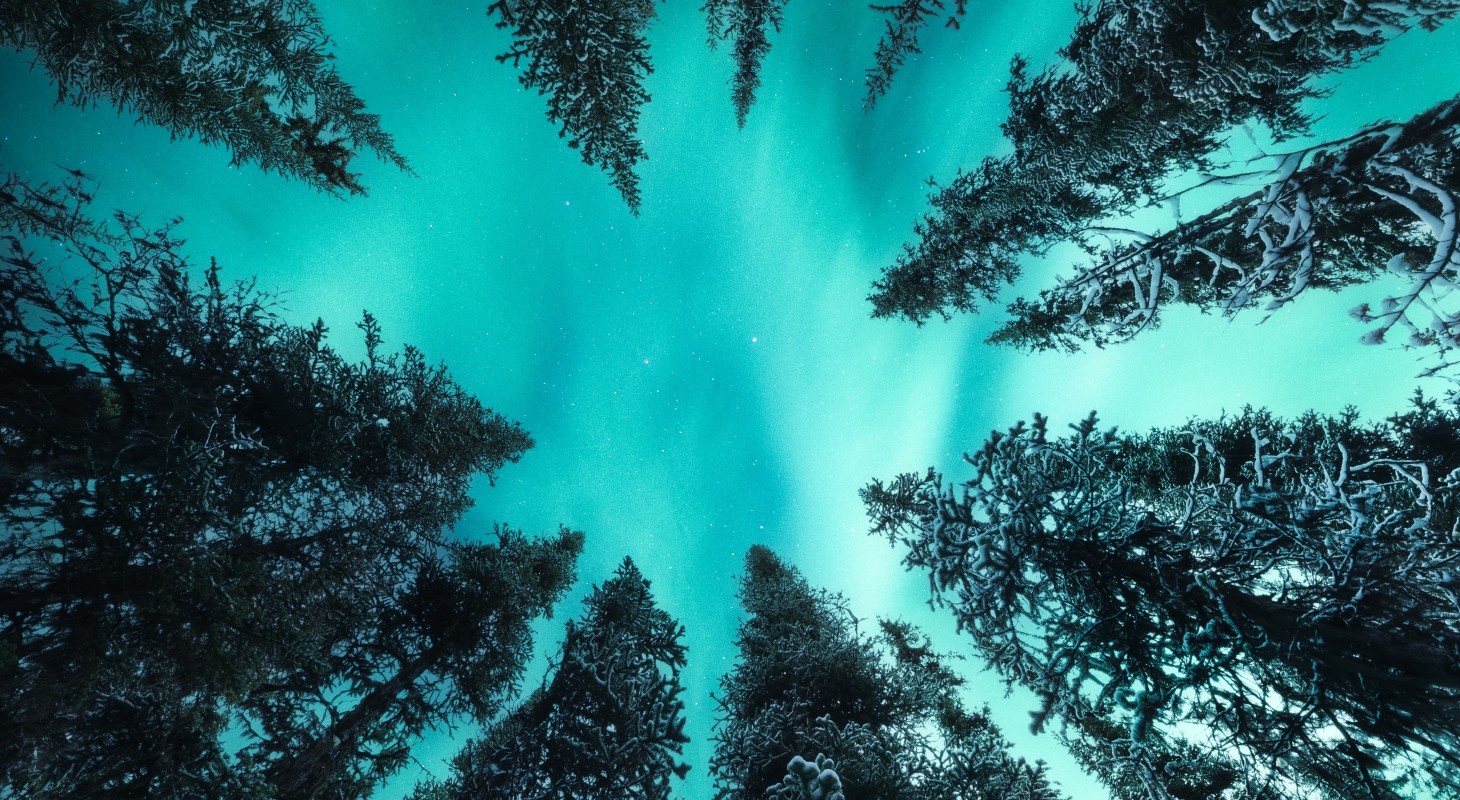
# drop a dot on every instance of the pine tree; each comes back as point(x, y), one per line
point(254, 77)
point(814, 708)
point(1148, 88)
point(1286, 587)
point(1329, 216)
point(214, 518)
point(450, 642)
point(590, 58)
point(747, 25)
point(607, 723)
point(905, 20)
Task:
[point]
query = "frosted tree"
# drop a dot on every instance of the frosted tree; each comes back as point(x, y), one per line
point(1369, 207)
point(899, 42)
point(1146, 88)
point(252, 76)
point(813, 708)
point(1288, 588)
point(590, 58)
point(747, 25)
point(224, 568)
point(606, 724)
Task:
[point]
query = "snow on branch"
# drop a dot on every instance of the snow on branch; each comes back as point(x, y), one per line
point(1321, 220)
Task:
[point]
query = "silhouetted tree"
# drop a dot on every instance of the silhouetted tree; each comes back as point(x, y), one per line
point(590, 58)
point(449, 643)
point(1329, 216)
point(905, 20)
point(606, 724)
point(1287, 588)
point(211, 516)
point(253, 76)
point(746, 24)
point(1148, 88)
point(814, 708)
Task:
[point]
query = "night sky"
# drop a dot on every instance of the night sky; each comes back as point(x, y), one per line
point(706, 376)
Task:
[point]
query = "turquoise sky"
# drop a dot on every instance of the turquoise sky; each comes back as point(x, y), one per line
point(706, 376)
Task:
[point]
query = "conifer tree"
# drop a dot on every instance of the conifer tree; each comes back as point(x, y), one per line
point(217, 523)
point(905, 21)
point(253, 76)
point(590, 58)
point(606, 724)
point(1329, 216)
point(1287, 588)
point(814, 708)
point(747, 25)
point(1147, 88)
point(449, 643)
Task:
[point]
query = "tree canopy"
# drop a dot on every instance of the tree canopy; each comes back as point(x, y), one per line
point(814, 708)
point(747, 25)
point(1286, 587)
point(590, 58)
point(607, 723)
point(220, 527)
point(1373, 204)
point(899, 42)
point(254, 77)
point(1146, 88)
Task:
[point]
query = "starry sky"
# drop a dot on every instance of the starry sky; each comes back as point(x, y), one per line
point(706, 376)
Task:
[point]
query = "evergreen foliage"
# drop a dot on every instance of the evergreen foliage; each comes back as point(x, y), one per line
point(746, 24)
point(814, 708)
point(221, 530)
point(253, 76)
point(1286, 588)
point(1329, 216)
point(905, 20)
point(590, 58)
point(1147, 88)
point(607, 724)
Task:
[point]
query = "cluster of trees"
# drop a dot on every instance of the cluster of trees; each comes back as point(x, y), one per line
point(231, 565)
point(814, 709)
point(1281, 592)
point(254, 77)
point(1150, 89)
point(257, 77)
point(231, 569)
point(220, 530)
point(607, 724)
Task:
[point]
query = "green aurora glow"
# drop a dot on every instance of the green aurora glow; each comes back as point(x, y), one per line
point(706, 376)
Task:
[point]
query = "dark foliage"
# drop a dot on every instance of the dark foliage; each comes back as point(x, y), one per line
point(1329, 216)
point(746, 24)
point(814, 708)
point(590, 58)
point(1287, 587)
point(253, 76)
point(216, 523)
point(905, 21)
point(1147, 88)
point(607, 724)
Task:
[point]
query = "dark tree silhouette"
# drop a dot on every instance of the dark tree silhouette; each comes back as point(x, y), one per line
point(747, 25)
point(590, 58)
point(1148, 88)
point(450, 642)
point(1378, 203)
point(215, 522)
point(606, 724)
point(254, 76)
point(905, 21)
point(814, 708)
point(1286, 587)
